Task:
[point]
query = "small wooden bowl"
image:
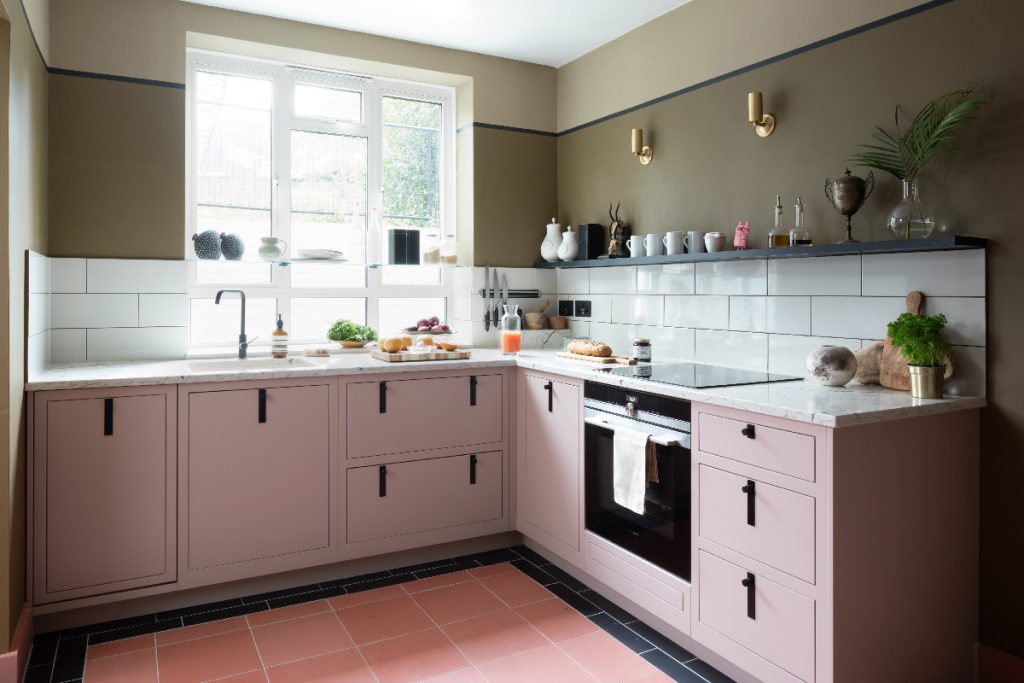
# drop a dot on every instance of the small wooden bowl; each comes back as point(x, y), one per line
point(535, 321)
point(557, 322)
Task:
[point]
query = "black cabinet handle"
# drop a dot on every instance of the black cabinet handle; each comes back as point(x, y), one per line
point(748, 431)
point(749, 490)
point(550, 388)
point(472, 469)
point(748, 583)
point(108, 416)
point(472, 390)
point(263, 406)
point(383, 397)
point(382, 481)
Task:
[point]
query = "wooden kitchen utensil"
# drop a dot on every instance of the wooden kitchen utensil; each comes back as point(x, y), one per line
point(536, 320)
point(893, 371)
point(621, 360)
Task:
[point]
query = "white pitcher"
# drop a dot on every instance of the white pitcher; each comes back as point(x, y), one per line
point(272, 248)
point(569, 249)
point(549, 247)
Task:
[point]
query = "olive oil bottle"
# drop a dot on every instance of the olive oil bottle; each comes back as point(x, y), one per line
point(779, 236)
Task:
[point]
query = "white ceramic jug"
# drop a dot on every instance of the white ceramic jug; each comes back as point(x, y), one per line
point(569, 249)
point(272, 248)
point(549, 247)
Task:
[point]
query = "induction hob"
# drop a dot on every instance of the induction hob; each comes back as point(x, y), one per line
point(698, 375)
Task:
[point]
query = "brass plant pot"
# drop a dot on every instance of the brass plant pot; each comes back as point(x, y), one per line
point(926, 381)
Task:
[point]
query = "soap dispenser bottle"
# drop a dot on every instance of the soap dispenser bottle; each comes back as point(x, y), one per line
point(279, 340)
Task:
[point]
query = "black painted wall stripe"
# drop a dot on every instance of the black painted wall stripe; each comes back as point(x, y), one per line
point(113, 77)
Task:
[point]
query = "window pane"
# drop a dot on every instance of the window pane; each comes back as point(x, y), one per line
point(217, 324)
point(411, 275)
point(395, 313)
point(238, 91)
point(412, 163)
point(250, 225)
point(328, 205)
point(312, 318)
point(328, 103)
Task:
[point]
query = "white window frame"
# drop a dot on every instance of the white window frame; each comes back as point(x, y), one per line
point(283, 121)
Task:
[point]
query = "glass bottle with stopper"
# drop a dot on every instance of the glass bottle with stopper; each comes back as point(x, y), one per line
point(799, 236)
point(779, 236)
point(511, 327)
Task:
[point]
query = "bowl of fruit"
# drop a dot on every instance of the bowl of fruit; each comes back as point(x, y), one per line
point(428, 326)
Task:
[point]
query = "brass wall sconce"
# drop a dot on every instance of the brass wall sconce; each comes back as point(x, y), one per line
point(640, 150)
point(764, 124)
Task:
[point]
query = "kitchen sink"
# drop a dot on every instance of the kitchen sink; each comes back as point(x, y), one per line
point(248, 364)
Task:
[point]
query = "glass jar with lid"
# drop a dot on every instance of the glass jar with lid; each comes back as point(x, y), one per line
point(642, 349)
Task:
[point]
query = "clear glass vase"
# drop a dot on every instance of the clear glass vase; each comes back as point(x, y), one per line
point(910, 218)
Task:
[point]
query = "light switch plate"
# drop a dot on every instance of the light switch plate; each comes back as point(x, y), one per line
point(582, 309)
point(565, 308)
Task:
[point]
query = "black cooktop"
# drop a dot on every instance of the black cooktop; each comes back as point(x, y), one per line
point(698, 375)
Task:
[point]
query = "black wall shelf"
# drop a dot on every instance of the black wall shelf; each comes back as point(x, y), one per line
point(951, 243)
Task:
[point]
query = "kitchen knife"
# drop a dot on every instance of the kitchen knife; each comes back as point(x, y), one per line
point(483, 293)
point(504, 290)
point(495, 300)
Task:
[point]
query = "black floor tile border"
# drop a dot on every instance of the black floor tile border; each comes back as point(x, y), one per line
point(59, 657)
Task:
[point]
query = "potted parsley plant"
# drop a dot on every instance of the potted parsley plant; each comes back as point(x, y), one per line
point(919, 338)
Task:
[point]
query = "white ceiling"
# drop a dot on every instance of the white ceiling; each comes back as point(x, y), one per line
point(551, 32)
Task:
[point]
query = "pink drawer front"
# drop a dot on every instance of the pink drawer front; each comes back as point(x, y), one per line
point(782, 628)
point(782, 533)
point(772, 448)
point(423, 495)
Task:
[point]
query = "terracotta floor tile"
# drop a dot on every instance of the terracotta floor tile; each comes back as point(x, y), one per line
point(385, 619)
point(288, 641)
point(248, 677)
point(516, 588)
point(606, 658)
point(493, 569)
point(134, 667)
point(303, 609)
point(120, 647)
point(210, 628)
point(438, 581)
point(458, 602)
point(338, 667)
point(464, 676)
point(557, 620)
point(493, 636)
point(208, 658)
point(364, 597)
point(413, 657)
point(545, 665)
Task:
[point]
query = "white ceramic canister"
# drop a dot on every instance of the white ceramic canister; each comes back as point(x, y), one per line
point(569, 249)
point(549, 247)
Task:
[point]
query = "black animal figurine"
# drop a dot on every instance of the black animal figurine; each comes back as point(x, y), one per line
point(618, 234)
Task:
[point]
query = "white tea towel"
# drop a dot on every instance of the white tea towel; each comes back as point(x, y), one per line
point(633, 466)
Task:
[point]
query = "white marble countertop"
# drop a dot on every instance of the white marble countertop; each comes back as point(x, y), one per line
point(801, 401)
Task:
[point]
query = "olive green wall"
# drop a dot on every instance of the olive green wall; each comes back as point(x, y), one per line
point(710, 170)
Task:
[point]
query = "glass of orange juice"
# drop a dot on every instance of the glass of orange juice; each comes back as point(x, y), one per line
point(511, 327)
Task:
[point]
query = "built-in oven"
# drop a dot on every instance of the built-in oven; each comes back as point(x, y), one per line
point(661, 535)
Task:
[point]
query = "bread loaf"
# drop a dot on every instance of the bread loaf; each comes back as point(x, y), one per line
point(589, 347)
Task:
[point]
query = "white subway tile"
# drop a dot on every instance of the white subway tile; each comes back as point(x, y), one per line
point(579, 328)
point(519, 278)
point(849, 316)
point(748, 313)
point(38, 313)
point(789, 314)
point(37, 353)
point(734, 349)
point(163, 310)
point(67, 275)
point(821, 275)
point(461, 304)
point(672, 278)
point(600, 308)
point(732, 277)
point(707, 312)
point(936, 273)
point(969, 379)
point(67, 346)
point(613, 280)
point(619, 337)
point(787, 354)
point(462, 280)
point(136, 275)
point(94, 310)
point(638, 310)
point(965, 318)
point(38, 273)
point(139, 343)
point(546, 280)
point(573, 280)
point(462, 330)
point(668, 343)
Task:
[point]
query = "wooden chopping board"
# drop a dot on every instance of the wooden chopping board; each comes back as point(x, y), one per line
point(893, 370)
point(621, 360)
point(407, 356)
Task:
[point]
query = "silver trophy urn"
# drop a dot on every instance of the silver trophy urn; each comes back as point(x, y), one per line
point(848, 193)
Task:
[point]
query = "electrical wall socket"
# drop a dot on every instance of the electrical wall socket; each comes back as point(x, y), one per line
point(565, 308)
point(582, 309)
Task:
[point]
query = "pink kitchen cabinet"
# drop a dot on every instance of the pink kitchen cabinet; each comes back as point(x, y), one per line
point(103, 492)
point(256, 479)
point(550, 468)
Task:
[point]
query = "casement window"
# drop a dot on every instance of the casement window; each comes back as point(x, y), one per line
point(321, 160)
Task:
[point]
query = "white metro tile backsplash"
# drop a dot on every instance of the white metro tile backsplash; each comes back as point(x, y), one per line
point(163, 310)
point(707, 312)
point(94, 310)
point(787, 354)
point(670, 343)
point(67, 275)
point(942, 273)
point(965, 318)
point(124, 275)
point(736, 349)
point(672, 278)
point(854, 316)
point(573, 280)
point(619, 337)
point(824, 275)
point(613, 280)
point(67, 346)
point(136, 343)
point(732, 277)
point(637, 310)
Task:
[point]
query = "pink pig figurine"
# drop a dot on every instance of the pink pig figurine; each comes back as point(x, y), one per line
point(739, 241)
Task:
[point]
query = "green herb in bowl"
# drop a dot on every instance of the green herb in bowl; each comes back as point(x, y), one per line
point(351, 335)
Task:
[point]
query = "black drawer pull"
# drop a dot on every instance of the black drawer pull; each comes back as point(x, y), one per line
point(550, 388)
point(748, 431)
point(472, 390)
point(382, 481)
point(108, 416)
point(383, 397)
point(263, 406)
point(749, 490)
point(748, 583)
point(472, 469)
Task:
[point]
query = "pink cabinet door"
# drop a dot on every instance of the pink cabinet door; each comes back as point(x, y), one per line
point(423, 495)
point(782, 530)
point(104, 495)
point(778, 450)
point(550, 484)
point(259, 474)
point(401, 416)
point(780, 627)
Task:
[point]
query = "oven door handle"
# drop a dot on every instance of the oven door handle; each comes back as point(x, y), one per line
point(667, 440)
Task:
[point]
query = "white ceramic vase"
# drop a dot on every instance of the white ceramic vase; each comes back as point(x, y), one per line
point(832, 366)
point(549, 247)
point(569, 249)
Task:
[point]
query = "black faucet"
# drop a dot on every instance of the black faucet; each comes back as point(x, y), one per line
point(243, 343)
